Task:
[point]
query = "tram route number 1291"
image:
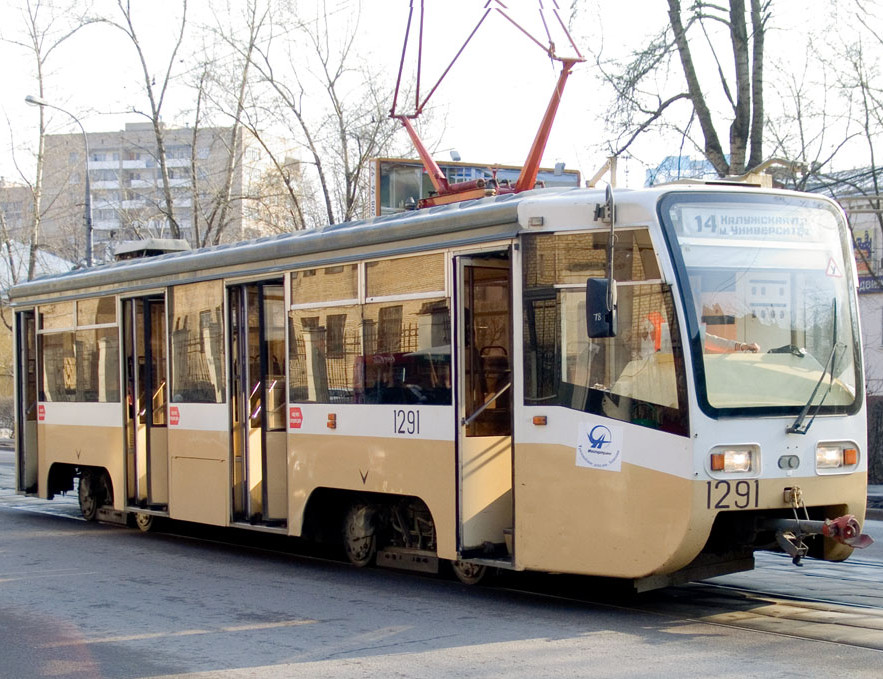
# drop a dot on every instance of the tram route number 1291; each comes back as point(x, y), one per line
point(732, 494)
point(405, 421)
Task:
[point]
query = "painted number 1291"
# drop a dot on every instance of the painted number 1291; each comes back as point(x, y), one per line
point(405, 421)
point(732, 494)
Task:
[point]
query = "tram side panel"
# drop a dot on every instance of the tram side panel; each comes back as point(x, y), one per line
point(603, 459)
point(199, 417)
point(600, 497)
point(78, 435)
point(199, 442)
point(79, 411)
point(364, 455)
point(370, 399)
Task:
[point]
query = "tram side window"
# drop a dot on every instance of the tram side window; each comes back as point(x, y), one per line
point(326, 284)
point(325, 348)
point(407, 332)
point(636, 377)
point(197, 339)
point(407, 356)
point(80, 364)
point(395, 349)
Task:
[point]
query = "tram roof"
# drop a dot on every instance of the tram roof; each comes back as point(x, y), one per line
point(469, 222)
point(449, 223)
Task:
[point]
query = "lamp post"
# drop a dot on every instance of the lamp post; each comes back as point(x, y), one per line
point(87, 205)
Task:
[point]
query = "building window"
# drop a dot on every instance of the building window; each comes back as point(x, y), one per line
point(334, 339)
point(389, 330)
point(178, 151)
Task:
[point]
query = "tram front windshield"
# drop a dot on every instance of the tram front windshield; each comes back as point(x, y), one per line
point(769, 293)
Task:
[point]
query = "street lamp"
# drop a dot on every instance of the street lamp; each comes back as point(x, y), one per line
point(87, 205)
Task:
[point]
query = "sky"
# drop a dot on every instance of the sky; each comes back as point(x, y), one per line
point(491, 102)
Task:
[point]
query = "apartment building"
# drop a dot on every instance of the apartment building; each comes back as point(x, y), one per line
point(128, 200)
point(16, 210)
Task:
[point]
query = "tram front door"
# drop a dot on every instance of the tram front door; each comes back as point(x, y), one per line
point(257, 370)
point(484, 405)
point(147, 448)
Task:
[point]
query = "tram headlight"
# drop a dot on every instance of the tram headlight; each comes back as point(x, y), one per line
point(836, 456)
point(732, 460)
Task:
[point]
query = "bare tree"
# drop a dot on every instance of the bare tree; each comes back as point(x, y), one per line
point(44, 29)
point(812, 127)
point(341, 136)
point(195, 192)
point(833, 109)
point(156, 95)
point(645, 97)
point(861, 79)
point(213, 89)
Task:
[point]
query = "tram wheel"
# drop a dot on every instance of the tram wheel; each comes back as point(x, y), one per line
point(92, 493)
point(145, 522)
point(469, 573)
point(360, 535)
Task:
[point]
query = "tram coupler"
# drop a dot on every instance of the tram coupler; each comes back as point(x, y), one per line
point(791, 532)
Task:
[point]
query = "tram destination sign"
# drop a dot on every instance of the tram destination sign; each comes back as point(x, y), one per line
point(743, 222)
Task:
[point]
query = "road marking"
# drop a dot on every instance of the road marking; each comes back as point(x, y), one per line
point(49, 574)
point(63, 511)
point(179, 633)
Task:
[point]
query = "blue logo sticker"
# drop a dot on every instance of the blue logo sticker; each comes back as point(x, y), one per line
point(599, 446)
point(600, 437)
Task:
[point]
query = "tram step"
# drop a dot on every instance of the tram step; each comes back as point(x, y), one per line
point(110, 515)
point(507, 536)
point(404, 558)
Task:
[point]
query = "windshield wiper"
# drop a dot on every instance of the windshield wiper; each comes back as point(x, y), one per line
point(797, 427)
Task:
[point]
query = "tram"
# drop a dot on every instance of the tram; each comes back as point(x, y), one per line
point(650, 385)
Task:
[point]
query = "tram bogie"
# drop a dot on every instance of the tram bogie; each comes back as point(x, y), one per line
point(424, 387)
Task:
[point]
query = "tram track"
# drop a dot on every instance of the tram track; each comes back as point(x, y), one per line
point(805, 618)
point(705, 603)
point(758, 610)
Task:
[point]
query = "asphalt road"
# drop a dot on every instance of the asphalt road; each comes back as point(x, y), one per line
point(81, 599)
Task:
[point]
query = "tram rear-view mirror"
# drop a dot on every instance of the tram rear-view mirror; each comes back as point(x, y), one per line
point(601, 307)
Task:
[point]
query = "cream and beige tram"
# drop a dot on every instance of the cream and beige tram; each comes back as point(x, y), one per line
point(648, 386)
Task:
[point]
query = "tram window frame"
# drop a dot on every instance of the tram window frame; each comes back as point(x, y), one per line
point(337, 377)
point(401, 368)
point(410, 268)
point(554, 283)
point(693, 331)
point(397, 371)
point(337, 274)
point(411, 377)
point(79, 373)
point(206, 390)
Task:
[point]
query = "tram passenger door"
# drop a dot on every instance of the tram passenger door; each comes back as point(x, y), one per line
point(26, 402)
point(147, 449)
point(257, 355)
point(484, 405)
